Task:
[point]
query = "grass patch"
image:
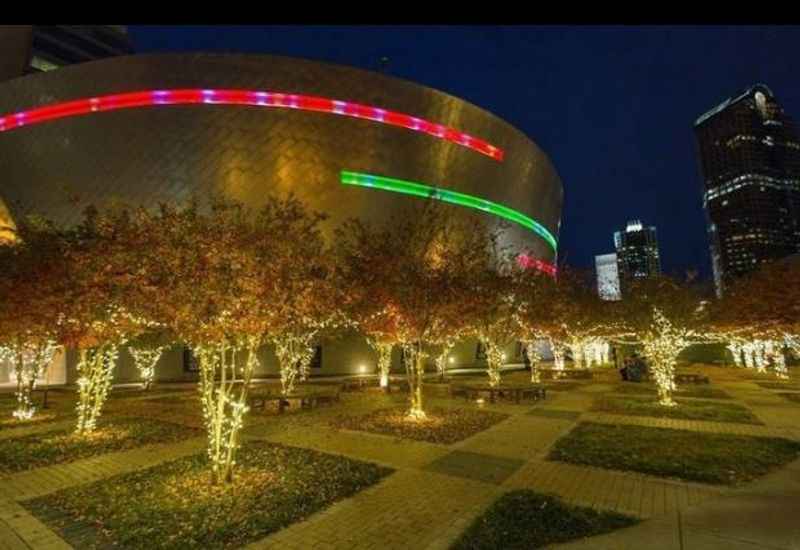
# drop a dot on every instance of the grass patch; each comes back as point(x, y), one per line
point(134, 392)
point(173, 505)
point(779, 385)
point(442, 425)
point(793, 397)
point(712, 411)
point(705, 457)
point(562, 386)
point(60, 446)
point(523, 519)
point(702, 391)
point(60, 406)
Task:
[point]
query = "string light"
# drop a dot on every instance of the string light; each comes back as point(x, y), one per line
point(384, 351)
point(662, 344)
point(95, 374)
point(533, 356)
point(30, 359)
point(145, 360)
point(416, 372)
point(225, 402)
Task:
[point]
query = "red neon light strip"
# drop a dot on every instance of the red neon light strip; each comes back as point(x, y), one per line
point(244, 97)
point(527, 262)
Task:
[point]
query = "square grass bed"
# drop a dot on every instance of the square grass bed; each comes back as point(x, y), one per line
point(793, 397)
point(174, 505)
point(685, 390)
point(523, 519)
point(722, 459)
point(443, 425)
point(687, 409)
point(59, 407)
point(60, 446)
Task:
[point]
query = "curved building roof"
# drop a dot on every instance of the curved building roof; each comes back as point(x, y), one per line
point(155, 128)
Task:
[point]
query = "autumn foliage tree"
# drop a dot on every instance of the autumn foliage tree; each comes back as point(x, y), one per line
point(665, 316)
point(532, 298)
point(406, 284)
point(493, 309)
point(103, 258)
point(32, 288)
point(760, 314)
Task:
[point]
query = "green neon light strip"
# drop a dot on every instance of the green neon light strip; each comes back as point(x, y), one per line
point(453, 197)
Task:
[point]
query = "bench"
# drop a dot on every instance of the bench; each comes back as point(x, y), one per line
point(329, 397)
point(517, 393)
point(691, 378)
point(43, 390)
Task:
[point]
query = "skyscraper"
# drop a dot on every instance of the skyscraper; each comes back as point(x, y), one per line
point(38, 48)
point(637, 252)
point(749, 157)
point(607, 276)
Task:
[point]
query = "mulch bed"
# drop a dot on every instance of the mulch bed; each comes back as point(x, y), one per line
point(523, 519)
point(443, 425)
point(59, 446)
point(687, 409)
point(174, 505)
point(693, 456)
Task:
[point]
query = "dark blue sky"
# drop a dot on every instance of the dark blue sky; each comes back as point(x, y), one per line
point(612, 106)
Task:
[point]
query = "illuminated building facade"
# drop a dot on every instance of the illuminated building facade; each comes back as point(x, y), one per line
point(749, 155)
point(148, 129)
point(637, 252)
point(607, 276)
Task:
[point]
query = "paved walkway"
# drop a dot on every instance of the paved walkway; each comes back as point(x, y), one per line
point(438, 490)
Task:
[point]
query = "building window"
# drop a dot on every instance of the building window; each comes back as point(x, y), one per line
point(42, 64)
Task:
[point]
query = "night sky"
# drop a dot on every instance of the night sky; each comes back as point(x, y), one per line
point(613, 107)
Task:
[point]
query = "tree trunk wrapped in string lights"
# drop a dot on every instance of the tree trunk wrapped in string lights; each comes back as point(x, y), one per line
point(410, 283)
point(559, 351)
point(735, 347)
point(442, 357)
point(224, 383)
point(494, 360)
point(145, 360)
point(662, 348)
point(294, 358)
point(30, 362)
point(533, 356)
point(95, 374)
point(384, 351)
point(415, 369)
point(34, 290)
point(665, 316)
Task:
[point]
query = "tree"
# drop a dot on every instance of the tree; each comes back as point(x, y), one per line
point(493, 312)
point(573, 316)
point(530, 294)
point(146, 350)
point(302, 297)
point(32, 287)
point(665, 316)
point(102, 257)
point(758, 316)
point(405, 284)
point(228, 280)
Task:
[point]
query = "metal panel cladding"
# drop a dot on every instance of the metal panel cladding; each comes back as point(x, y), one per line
point(167, 152)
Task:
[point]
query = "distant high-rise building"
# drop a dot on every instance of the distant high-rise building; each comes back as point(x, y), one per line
point(36, 48)
point(607, 276)
point(750, 162)
point(637, 252)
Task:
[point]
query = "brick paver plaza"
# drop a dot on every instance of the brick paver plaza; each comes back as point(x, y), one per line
point(437, 490)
